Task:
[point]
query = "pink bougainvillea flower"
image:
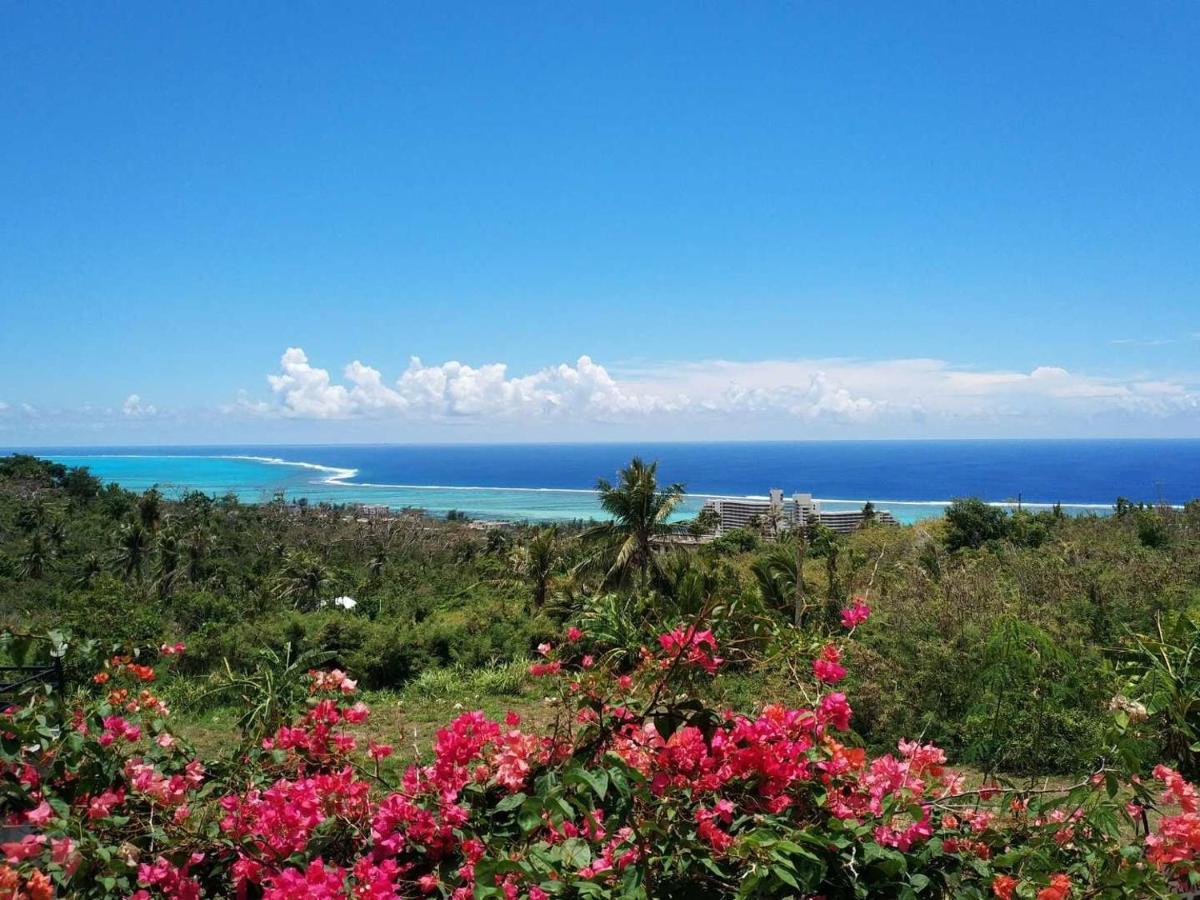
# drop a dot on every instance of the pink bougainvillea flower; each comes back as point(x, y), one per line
point(855, 614)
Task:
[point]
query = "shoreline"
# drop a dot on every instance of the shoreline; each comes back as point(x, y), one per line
point(340, 477)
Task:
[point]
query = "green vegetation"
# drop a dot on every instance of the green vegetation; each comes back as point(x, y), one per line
point(1004, 637)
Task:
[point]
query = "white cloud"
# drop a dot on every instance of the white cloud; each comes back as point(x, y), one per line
point(306, 391)
point(369, 391)
point(873, 390)
point(451, 390)
point(1155, 342)
point(134, 408)
point(836, 393)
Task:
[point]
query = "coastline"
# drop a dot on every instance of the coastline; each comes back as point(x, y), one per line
point(337, 484)
point(341, 477)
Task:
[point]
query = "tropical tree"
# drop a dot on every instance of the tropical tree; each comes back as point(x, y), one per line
point(195, 551)
point(150, 509)
point(133, 547)
point(687, 581)
point(972, 523)
point(90, 566)
point(707, 521)
point(779, 572)
point(302, 579)
point(56, 532)
point(169, 563)
point(538, 560)
point(36, 558)
point(34, 515)
point(825, 544)
point(640, 510)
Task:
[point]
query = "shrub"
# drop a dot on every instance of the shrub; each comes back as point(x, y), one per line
point(971, 523)
point(641, 791)
point(460, 683)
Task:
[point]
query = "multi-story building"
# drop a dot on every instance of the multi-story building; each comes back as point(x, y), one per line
point(774, 513)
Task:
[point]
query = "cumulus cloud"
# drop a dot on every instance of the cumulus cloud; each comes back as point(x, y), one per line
point(451, 390)
point(307, 391)
point(836, 392)
point(134, 408)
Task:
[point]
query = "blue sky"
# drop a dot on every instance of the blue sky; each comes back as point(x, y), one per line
point(785, 220)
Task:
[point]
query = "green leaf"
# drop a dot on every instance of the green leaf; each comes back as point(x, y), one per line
point(512, 801)
point(575, 853)
point(597, 780)
point(785, 876)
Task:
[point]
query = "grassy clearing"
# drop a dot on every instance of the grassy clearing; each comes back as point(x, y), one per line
point(406, 719)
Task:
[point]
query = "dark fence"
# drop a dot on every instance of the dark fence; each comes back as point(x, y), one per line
point(13, 679)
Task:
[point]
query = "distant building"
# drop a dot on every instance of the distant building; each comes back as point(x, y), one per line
point(775, 513)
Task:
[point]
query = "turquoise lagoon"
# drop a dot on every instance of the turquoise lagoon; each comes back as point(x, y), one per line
point(255, 479)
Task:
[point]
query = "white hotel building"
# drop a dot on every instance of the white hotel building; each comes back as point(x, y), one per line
point(782, 514)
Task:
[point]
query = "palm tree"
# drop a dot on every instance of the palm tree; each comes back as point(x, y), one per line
point(639, 510)
point(34, 515)
point(687, 581)
point(170, 562)
point(302, 578)
point(150, 509)
point(707, 521)
point(56, 532)
point(826, 544)
point(89, 567)
point(377, 563)
point(195, 549)
point(779, 572)
point(538, 561)
point(36, 559)
point(133, 546)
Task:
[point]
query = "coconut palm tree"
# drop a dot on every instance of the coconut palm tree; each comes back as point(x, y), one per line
point(36, 560)
point(687, 581)
point(133, 546)
point(89, 568)
point(150, 509)
point(537, 561)
point(169, 564)
point(195, 552)
point(779, 572)
point(302, 578)
point(825, 544)
point(639, 510)
point(56, 532)
point(34, 515)
point(377, 563)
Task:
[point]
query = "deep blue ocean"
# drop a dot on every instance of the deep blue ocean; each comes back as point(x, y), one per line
point(554, 481)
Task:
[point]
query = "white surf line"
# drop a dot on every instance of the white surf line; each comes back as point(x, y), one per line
point(342, 481)
point(555, 490)
point(337, 475)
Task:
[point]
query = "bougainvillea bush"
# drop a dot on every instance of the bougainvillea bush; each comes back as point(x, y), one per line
point(639, 790)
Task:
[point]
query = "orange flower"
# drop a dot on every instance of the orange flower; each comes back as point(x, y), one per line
point(1059, 889)
point(1003, 886)
point(39, 886)
point(9, 879)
